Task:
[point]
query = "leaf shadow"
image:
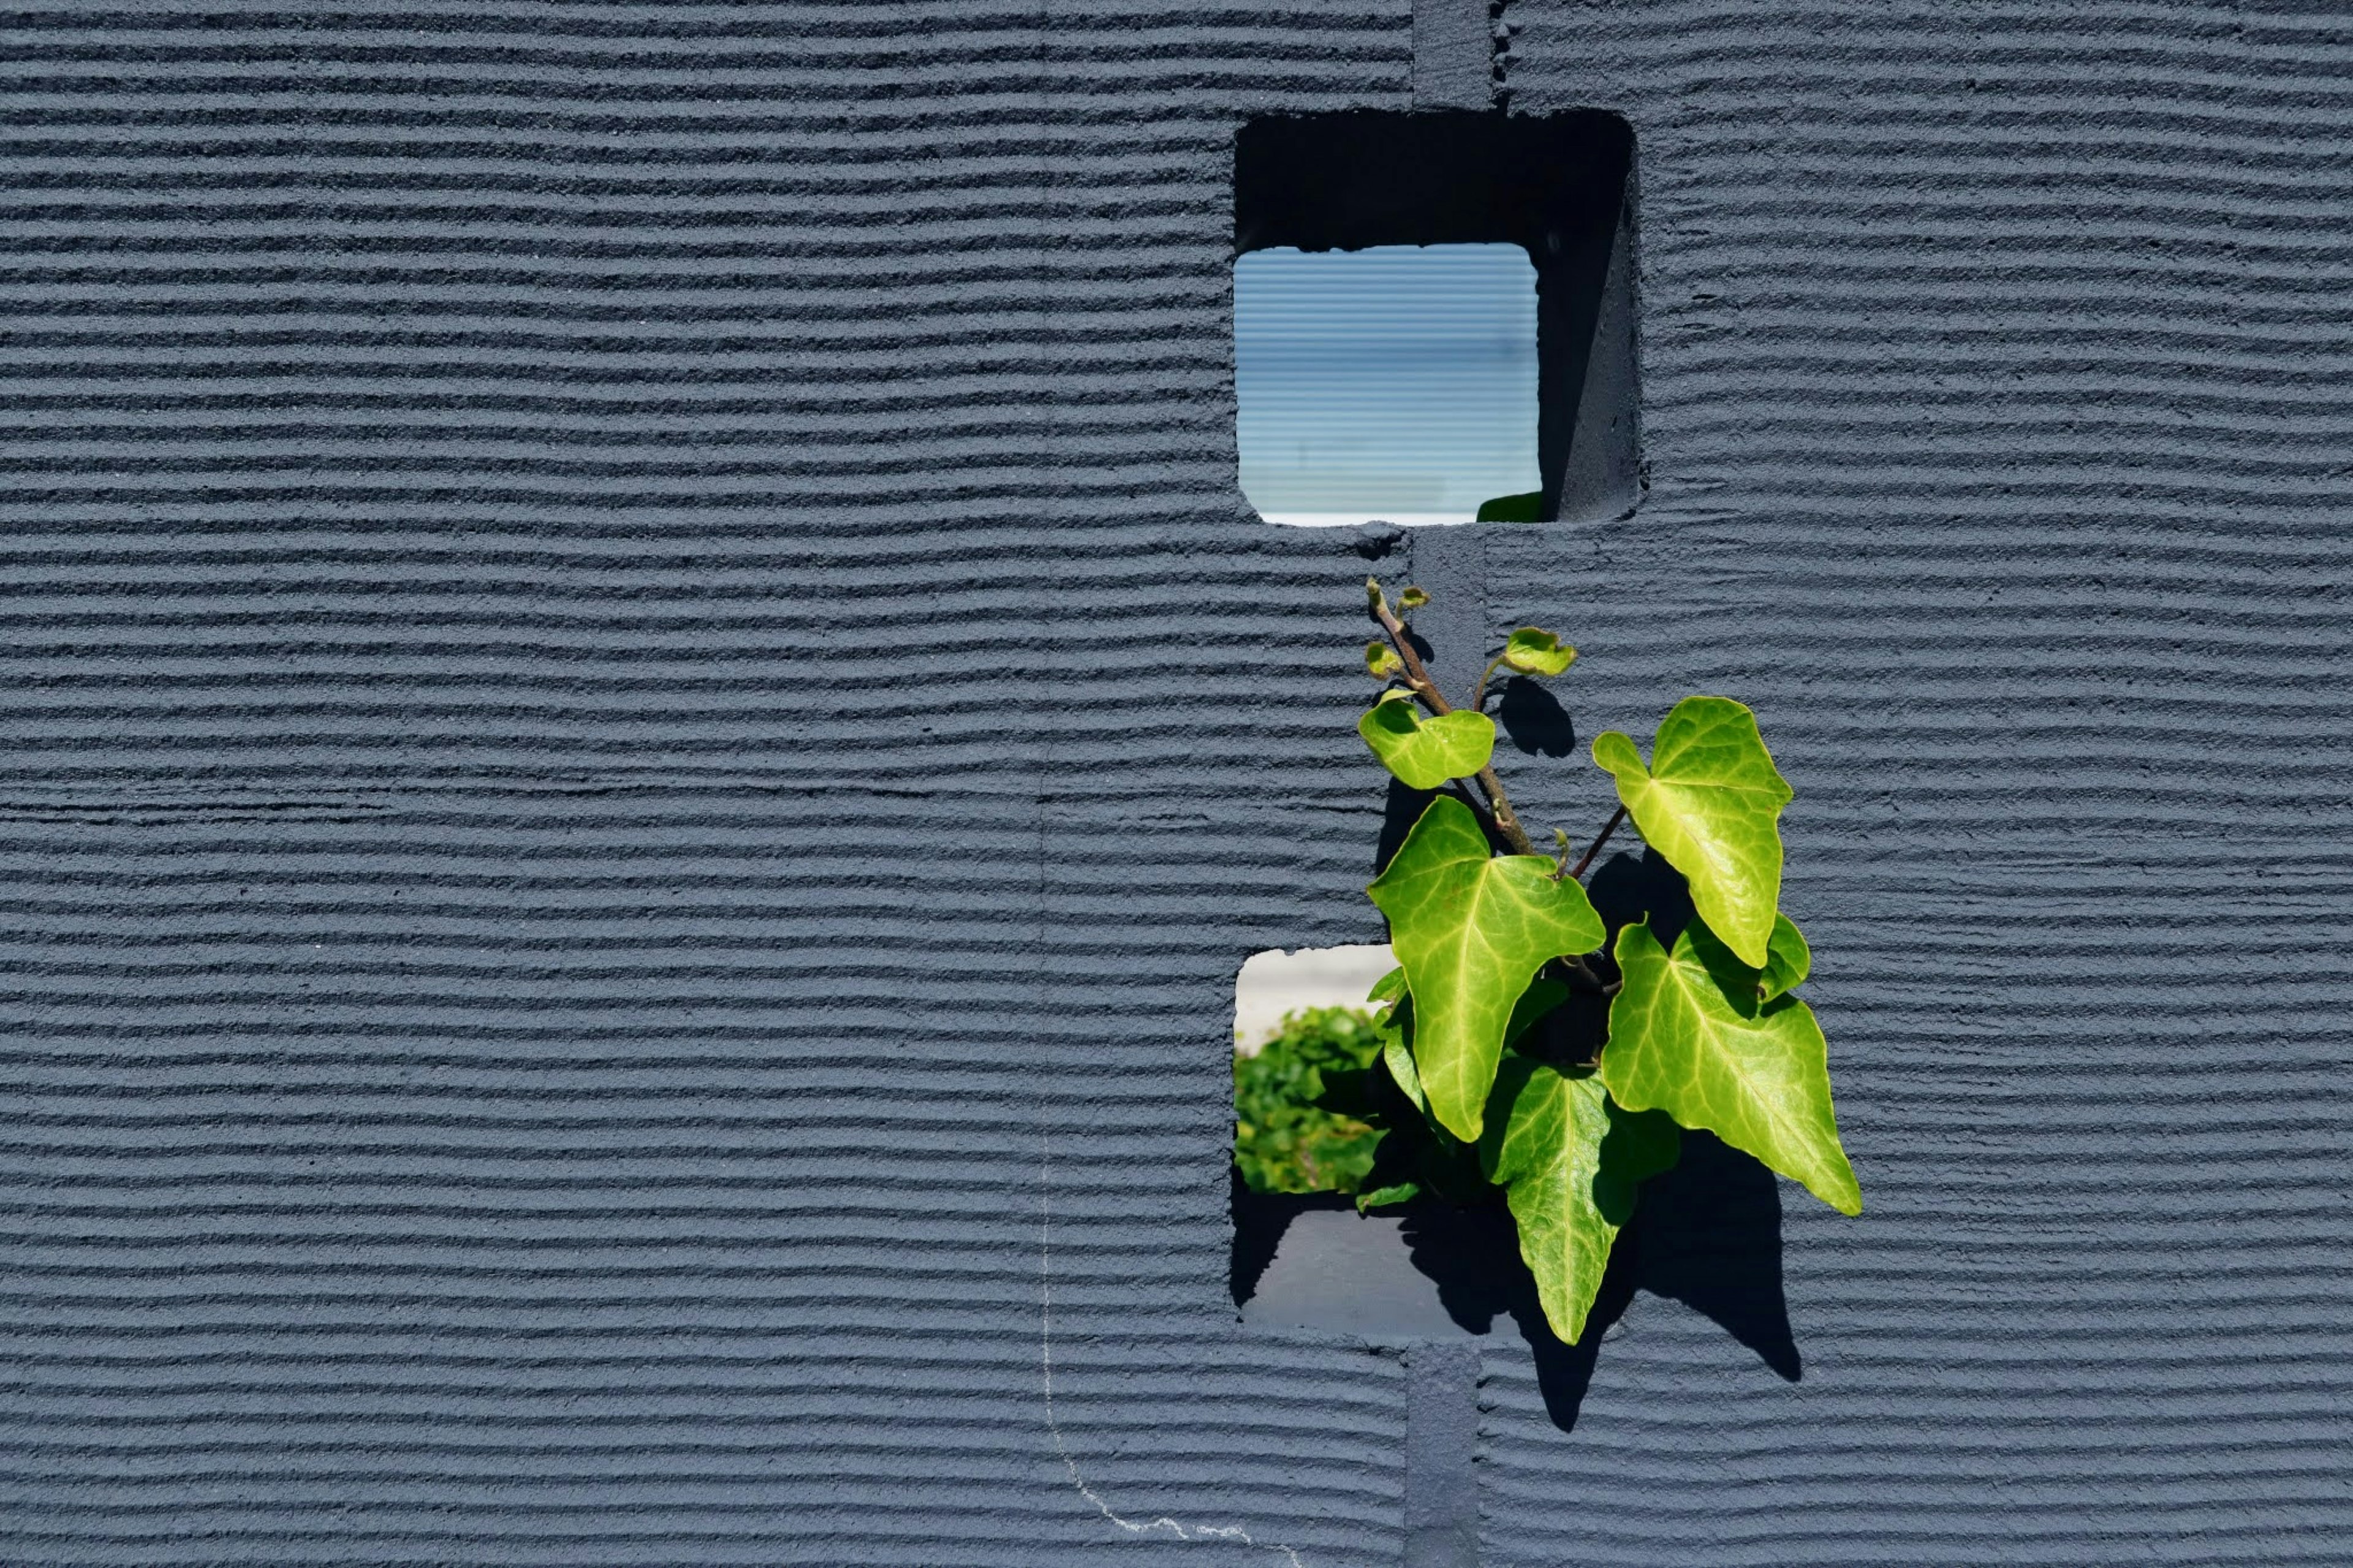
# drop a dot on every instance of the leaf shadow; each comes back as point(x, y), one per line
point(1471, 1255)
point(1627, 888)
point(1259, 1219)
point(1534, 721)
point(1708, 1234)
point(1399, 813)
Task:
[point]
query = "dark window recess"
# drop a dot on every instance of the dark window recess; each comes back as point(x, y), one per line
point(1559, 186)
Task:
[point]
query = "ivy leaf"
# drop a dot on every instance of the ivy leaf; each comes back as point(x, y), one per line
point(1708, 802)
point(1787, 959)
point(1541, 998)
point(1745, 988)
point(1569, 1159)
point(1399, 1055)
point(1757, 1075)
point(1381, 661)
point(1394, 1192)
point(1394, 1023)
point(1534, 651)
point(1415, 1156)
point(1471, 928)
point(1426, 752)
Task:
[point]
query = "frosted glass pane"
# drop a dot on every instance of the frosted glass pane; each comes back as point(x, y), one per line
point(1395, 384)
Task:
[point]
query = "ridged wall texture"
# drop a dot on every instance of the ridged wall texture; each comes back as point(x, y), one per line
point(644, 727)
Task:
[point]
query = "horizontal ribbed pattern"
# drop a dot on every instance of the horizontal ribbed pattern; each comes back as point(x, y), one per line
point(557, 557)
point(643, 724)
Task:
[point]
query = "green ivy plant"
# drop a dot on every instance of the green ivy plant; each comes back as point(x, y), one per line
point(1286, 1137)
point(1703, 1028)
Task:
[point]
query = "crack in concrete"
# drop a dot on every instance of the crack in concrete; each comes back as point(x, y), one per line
point(1228, 1535)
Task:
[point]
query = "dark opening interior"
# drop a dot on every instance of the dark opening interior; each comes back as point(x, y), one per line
point(1559, 186)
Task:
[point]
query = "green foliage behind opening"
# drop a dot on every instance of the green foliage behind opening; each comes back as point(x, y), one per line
point(1284, 1140)
point(1527, 508)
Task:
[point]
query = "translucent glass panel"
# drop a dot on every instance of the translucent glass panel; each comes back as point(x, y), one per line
point(1395, 384)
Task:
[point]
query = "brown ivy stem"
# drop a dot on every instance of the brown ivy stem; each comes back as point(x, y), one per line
point(1576, 965)
point(1453, 790)
point(1508, 824)
point(1507, 821)
point(1479, 692)
point(1416, 674)
point(1616, 817)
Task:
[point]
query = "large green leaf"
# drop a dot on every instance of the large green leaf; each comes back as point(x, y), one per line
point(1395, 1027)
point(1688, 1036)
point(1708, 802)
point(1570, 1160)
point(1426, 752)
point(1470, 928)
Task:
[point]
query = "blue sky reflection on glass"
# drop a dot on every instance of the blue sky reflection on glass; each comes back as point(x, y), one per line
point(1395, 384)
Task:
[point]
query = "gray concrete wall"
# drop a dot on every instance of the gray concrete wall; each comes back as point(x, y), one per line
point(644, 731)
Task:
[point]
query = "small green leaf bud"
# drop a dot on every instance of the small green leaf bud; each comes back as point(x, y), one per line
point(1412, 599)
point(1534, 651)
point(1381, 661)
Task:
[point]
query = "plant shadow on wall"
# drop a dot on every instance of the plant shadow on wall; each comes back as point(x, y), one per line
point(1569, 1090)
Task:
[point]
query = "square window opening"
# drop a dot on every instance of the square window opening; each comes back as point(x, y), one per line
point(1433, 318)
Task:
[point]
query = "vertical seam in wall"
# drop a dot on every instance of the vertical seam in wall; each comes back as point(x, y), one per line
point(1499, 33)
point(1453, 64)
